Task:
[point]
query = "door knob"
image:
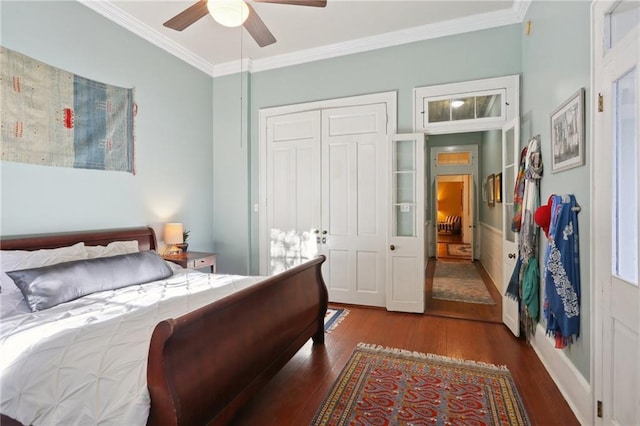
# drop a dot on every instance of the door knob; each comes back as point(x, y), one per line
point(324, 232)
point(316, 231)
point(392, 247)
point(512, 255)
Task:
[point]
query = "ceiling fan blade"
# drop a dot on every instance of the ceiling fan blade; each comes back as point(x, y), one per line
point(188, 16)
point(314, 3)
point(258, 29)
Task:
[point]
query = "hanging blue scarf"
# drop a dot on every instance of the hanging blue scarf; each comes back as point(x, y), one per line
point(562, 272)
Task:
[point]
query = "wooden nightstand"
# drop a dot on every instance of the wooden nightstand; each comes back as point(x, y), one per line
point(193, 260)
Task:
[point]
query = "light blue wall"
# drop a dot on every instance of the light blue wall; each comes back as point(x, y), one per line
point(555, 60)
point(556, 63)
point(491, 155)
point(231, 173)
point(173, 131)
point(457, 58)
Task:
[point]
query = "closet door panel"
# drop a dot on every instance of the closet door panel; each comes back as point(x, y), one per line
point(338, 185)
point(367, 215)
point(293, 189)
point(353, 197)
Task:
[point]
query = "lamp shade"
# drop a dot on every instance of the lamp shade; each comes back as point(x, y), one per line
point(230, 13)
point(173, 233)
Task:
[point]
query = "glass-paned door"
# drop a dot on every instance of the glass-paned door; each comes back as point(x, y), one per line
point(405, 256)
point(616, 201)
point(510, 160)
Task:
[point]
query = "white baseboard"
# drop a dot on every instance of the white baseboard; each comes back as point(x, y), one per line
point(573, 386)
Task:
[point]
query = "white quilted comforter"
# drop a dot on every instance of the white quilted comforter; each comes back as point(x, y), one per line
point(84, 362)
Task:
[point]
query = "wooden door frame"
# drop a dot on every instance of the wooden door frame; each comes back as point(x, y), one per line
point(388, 98)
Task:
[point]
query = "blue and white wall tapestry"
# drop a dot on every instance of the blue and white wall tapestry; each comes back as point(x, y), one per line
point(52, 117)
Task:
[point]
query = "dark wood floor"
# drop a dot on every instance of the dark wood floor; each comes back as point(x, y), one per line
point(443, 240)
point(295, 393)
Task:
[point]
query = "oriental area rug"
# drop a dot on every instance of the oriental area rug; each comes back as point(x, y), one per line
point(333, 318)
point(386, 386)
point(459, 282)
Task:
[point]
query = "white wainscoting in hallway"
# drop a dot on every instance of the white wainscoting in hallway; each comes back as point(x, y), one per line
point(491, 253)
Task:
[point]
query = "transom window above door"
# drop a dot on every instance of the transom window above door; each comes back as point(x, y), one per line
point(454, 158)
point(468, 106)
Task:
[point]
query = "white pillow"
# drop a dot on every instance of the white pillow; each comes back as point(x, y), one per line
point(11, 300)
point(113, 249)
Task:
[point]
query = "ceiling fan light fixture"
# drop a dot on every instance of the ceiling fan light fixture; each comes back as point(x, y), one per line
point(230, 13)
point(457, 103)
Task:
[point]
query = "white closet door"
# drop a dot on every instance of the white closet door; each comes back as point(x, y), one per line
point(293, 188)
point(353, 203)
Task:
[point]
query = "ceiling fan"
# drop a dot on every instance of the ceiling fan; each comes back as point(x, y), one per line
point(245, 16)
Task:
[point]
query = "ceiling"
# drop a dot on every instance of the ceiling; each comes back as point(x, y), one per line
point(306, 33)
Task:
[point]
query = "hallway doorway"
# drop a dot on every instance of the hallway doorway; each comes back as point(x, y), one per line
point(454, 215)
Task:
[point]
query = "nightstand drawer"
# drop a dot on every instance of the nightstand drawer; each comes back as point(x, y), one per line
point(203, 262)
point(194, 260)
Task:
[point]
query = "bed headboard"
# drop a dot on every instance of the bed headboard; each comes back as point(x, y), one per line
point(145, 236)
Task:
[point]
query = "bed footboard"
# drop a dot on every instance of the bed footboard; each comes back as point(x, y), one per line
point(203, 366)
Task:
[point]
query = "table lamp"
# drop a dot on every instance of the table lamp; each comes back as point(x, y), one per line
point(173, 236)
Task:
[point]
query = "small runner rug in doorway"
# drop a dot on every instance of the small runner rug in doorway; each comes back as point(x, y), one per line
point(333, 317)
point(398, 387)
point(459, 282)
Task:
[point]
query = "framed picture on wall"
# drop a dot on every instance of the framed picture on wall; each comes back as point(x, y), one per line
point(498, 184)
point(491, 190)
point(485, 185)
point(567, 134)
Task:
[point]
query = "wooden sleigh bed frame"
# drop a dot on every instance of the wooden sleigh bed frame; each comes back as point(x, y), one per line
point(205, 365)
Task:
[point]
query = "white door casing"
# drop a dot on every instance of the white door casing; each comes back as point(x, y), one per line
point(469, 222)
point(510, 164)
point(467, 227)
point(616, 202)
point(405, 255)
point(354, 215)
point(444, 172)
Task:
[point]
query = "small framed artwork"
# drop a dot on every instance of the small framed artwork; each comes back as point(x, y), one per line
point(491, 190)
point(484, 190)
point(567, 134)
point(498, 184)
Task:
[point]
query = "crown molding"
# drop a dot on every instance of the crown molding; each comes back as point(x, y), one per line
point(520, 8)
point(246, 65)
point(410, 35)
point(139, 28)
point(396, 38)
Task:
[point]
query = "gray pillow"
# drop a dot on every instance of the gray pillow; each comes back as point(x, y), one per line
point(49, 286)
